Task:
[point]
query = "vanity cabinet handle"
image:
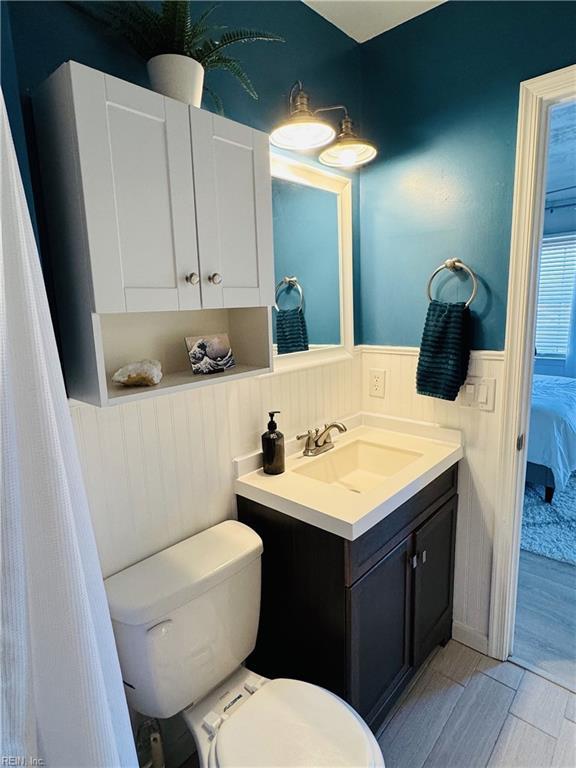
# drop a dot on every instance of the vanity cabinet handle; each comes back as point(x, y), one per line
point(419, 557)
point(215, 278)
point(193, 278)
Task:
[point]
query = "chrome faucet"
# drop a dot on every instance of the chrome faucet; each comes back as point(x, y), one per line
point(320, 440)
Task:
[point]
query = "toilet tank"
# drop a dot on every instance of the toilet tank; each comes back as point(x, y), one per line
point(187, 617)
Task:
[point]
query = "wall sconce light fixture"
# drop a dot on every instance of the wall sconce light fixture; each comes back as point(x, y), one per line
point(304, 130)
point(348, 151)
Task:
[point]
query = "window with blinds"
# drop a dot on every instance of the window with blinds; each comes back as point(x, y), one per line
point(556, 311)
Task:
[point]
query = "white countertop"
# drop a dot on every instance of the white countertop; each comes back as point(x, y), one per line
point(337, 509)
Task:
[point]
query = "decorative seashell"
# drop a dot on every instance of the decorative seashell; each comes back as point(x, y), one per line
point(144, 373)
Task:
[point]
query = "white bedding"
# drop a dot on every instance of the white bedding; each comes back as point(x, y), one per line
point(553, 426)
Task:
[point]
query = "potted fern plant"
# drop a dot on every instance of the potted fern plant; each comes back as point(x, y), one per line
point(177, 48)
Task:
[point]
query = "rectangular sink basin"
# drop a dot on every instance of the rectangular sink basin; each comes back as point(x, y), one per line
point(380, 463)
point(358, 466)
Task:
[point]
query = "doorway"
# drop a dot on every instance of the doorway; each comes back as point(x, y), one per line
point(541, 99)
point(545, 626)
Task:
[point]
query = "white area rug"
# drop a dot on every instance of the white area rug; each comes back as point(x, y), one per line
point(550, 529)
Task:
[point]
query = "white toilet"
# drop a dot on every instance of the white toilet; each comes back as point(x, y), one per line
point(185, 620)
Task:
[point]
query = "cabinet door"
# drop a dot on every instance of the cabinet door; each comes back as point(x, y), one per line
point(380, 619)
point(234, 211)
point(434, 580)
point(136, 166)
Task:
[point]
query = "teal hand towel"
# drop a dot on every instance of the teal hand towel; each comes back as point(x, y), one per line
point(444, 351)
point(291, 331)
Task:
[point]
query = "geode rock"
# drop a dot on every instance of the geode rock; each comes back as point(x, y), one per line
point(144, 373)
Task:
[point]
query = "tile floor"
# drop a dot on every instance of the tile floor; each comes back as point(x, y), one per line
point(547, 598)
point(465, 710)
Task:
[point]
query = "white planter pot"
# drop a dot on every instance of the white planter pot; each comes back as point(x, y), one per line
point(178, 77)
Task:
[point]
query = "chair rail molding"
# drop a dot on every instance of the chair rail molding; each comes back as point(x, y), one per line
point(386, 349)
point(536, 97)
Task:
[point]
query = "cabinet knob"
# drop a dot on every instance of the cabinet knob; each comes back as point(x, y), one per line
point(215, 278)
point(193, 278)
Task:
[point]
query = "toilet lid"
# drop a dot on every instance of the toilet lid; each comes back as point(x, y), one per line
point(291, 724)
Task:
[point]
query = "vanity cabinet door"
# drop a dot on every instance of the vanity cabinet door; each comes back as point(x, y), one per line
point(234, 211)
point(434, 579)
point(380, 624)
point(136, 166)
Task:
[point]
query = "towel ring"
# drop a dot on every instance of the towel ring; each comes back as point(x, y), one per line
point(453, 265)
point(290, 281)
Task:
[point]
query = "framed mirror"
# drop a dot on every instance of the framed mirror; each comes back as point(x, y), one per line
point(312, 217)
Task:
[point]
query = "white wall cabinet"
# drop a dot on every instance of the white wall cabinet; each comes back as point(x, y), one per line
point(177, 201)
point(135, 163)
point(234, 211)
point(152, 207)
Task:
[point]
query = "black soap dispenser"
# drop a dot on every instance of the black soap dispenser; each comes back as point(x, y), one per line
point(273, 448)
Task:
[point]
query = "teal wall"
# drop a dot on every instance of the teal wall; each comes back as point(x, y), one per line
point(45, 34)
point(441, 100)
point(306, 244)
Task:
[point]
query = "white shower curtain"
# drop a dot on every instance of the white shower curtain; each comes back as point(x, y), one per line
point(61, 692)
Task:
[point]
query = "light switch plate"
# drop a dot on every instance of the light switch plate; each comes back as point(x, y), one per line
point(478, 393)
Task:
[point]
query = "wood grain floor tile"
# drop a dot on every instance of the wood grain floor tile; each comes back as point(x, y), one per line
point(409, 737)
point(472, 729)
point(407, 692)
point(540, 703)
point(565, 752)
point(545, 634)
point(456, 661)
point(503, 671)
point(521, 745)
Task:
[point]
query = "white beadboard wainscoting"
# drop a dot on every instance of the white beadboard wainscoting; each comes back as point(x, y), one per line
point(477, 477)
point(160, 469)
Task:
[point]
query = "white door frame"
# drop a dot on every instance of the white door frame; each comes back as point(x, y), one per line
point(536, 98)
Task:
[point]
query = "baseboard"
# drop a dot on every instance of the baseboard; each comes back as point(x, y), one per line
point(470, 637)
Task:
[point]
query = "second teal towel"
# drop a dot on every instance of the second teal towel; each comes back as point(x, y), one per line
point(291, 331)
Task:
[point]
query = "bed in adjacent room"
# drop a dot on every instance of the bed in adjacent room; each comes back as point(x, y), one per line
point(552, 442)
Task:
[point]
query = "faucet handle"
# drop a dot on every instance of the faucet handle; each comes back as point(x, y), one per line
point(311, 433)
point(310, 436)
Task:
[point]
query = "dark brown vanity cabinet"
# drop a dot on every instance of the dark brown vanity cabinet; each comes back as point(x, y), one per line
point(379, 643)
point(433, 579)
point(357, 617)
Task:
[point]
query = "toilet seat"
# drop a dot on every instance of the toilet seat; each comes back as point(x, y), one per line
point(292, 724)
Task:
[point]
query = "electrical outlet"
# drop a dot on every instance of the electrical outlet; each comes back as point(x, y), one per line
point(377, 381)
